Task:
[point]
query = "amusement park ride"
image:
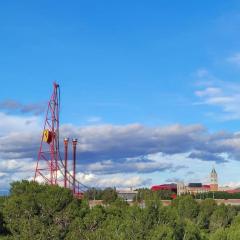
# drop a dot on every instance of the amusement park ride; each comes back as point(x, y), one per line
point(50, 168)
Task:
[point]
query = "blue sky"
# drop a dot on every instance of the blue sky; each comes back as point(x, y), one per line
point(119, 63)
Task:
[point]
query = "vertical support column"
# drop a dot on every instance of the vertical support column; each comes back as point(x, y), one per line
point(65, 161)
point(74, 142)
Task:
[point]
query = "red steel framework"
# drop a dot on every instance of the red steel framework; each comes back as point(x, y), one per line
point(66, 140)
point(50, 168)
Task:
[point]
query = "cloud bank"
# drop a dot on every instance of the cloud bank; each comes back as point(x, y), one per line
point(123, 150)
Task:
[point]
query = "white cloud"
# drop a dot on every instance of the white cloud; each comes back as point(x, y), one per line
point(14, 170)
point(17, 165)
point(118, 181)
point(12, 123)
point(209, 91)
point(232, 185)
point(225, 96)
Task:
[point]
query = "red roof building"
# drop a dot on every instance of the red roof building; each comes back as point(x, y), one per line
point(171, 187)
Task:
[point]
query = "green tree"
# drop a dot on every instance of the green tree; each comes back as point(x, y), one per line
point(109, 195)
point(221, 217)
point(220, 234)
point(233, 233)
point(93, 194)
point(162, 232)
point(133, 224)
point(187, 207)
point(3, 230)
point(152, 210)
point(191, 231)
point(207, 207)
point(35, 211)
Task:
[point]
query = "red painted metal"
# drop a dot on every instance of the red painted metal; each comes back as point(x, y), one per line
point(50, 168)
point(65, 161)
point(48, 155)
point(74, 143)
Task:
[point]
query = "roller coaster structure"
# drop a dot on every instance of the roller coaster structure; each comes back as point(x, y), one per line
point(50, 167)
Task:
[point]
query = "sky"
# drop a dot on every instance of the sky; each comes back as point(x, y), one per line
point(151, 89)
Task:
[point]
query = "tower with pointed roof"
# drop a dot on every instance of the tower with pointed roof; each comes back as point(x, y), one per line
point(214, 180)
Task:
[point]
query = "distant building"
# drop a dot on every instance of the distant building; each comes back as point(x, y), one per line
point(171, 187)
point(214, 181)
point(192, 188)
point(181, 189)
point(195, 188)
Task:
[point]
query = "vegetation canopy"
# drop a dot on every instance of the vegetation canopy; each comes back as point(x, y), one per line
point(34, 211)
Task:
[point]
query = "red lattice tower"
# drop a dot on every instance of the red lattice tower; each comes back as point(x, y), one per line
point(50, 168)
point(48, 156)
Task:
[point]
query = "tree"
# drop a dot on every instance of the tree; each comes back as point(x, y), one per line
point(3, 230)
point(117, 208)
point(144, 193)
point(133, 224)
point(221, 217)
point(93, 194)
point(207, 207)
point(220, 234)
point(169, 215)
point(162, 232)
point(35, 211)
point(191, 231)
point(109, 195)
point(187, 207)
point(218, 195)
point(233, 233)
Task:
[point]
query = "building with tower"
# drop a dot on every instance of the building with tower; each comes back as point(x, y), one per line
point(196, 188)
point(213, 181)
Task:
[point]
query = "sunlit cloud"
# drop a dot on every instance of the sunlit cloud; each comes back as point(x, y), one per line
point(222, 95)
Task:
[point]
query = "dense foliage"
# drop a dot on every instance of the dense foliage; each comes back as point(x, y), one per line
point(145, 193)
point(108, 195)
point(218, 195)
point(34, 211)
